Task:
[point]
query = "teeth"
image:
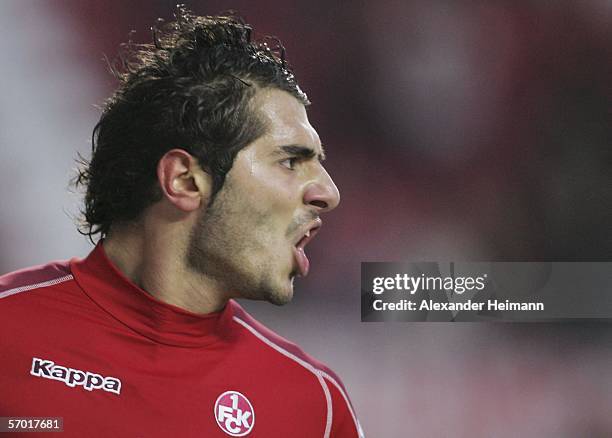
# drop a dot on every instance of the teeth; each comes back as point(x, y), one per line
point(307, 233)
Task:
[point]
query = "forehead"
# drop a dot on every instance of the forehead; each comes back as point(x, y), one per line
point(286, 121)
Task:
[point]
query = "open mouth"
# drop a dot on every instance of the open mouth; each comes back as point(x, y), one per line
point(303, 264)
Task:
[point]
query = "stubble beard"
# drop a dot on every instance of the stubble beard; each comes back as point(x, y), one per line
point(218, 249)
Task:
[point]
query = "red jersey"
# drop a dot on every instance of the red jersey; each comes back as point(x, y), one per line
point(81, 342)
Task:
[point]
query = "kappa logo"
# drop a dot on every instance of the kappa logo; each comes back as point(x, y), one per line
point(47, 369)
point(234, 413)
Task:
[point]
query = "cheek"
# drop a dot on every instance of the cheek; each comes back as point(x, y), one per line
point(273, 190)
point(269, 200)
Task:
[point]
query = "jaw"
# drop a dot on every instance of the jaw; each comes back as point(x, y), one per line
point(281, 300)
point(280, 287)
point(269, 280)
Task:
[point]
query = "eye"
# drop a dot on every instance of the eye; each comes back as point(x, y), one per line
point(289, 163)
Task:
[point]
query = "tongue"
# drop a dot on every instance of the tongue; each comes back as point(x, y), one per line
point(302, 261)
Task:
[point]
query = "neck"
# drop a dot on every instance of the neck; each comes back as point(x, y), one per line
point(154, 259)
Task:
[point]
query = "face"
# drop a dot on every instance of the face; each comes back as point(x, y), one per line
point(251, 239)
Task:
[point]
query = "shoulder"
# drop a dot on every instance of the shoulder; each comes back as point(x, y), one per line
point(34, 278)
point(273, 341)
point(335, 392)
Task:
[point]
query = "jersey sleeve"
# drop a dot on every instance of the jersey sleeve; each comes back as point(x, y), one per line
point(344, 422)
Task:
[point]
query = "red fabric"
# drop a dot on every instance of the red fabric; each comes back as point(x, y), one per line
point(172, 364)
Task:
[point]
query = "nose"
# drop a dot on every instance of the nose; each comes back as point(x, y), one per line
point(322, 193)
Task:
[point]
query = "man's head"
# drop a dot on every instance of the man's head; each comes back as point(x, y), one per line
point(213, 126)
point(252, 237)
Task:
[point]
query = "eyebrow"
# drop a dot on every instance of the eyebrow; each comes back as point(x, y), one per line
point(301, 151)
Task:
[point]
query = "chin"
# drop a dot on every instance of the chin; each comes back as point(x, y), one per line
point(280, 296)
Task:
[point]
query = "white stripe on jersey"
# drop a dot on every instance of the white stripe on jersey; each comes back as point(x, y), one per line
point(321, 376)
point(28, 287)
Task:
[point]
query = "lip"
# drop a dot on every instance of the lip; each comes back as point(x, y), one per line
point(313, 227)
point(301, 260)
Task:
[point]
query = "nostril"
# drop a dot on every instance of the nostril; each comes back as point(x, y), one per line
point(319, 203)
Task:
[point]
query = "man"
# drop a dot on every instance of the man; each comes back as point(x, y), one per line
point(205, 184)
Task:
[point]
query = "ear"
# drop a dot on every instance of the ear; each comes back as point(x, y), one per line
point(182, 180)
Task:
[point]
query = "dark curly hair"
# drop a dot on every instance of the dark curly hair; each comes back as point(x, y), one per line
point(190, 89)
